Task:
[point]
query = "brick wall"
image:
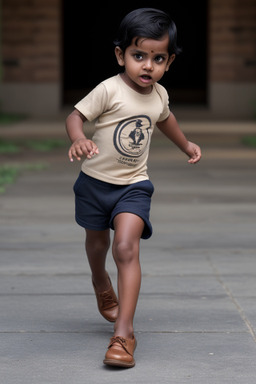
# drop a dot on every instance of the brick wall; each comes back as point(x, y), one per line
point(32, 57)
point(232, 40)
point(31, 45)
point(32, 40)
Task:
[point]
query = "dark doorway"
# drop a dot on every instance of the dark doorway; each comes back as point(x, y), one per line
point(88, 51)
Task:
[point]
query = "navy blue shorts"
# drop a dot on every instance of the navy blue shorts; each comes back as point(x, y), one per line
point(98, 202)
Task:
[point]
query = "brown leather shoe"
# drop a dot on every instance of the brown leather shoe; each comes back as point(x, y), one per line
point(107, 303)
point(120, 352)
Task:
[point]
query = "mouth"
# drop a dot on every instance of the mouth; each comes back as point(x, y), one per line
point(145, 78)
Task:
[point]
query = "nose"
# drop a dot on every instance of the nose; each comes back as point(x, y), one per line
point(148, 65)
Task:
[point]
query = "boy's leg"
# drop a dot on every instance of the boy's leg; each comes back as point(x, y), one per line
point(128, 229)
point(96, 245)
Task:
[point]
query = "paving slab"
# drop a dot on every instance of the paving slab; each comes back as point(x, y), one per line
point(171, 358)
point(196, 316)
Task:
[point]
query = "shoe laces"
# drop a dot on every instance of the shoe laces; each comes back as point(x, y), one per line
point(119, 340)
point(108, 300)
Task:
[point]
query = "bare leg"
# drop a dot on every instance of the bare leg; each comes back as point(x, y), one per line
point(128, 230)
point(97, 244)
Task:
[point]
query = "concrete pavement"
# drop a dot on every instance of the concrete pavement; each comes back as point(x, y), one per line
point(196, 316)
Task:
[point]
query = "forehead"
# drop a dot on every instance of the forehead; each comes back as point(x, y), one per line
point(147, 44)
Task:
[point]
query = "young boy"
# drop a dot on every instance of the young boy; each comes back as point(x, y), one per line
point(113, 189)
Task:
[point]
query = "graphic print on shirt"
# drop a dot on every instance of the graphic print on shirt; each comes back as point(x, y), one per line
point(132, 135)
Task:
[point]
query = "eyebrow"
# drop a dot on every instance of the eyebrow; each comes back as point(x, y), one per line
point(145, 53)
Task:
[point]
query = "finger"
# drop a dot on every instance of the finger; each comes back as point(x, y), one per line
point(90, 155)
point(74, 153)
point(194, 160)
point(95, 149)
point(87, 147)
point(79, 151)
point(77, 157)
point(70, 156)
point(198, 157)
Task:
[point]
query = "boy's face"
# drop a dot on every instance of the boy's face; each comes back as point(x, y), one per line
point(145, 62)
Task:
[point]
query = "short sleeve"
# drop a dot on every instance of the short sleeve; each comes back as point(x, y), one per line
point(165, 102)
point(93, 104)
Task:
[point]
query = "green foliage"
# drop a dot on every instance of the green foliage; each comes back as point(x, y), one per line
point(9, 173)
point(250, 141)
point(16, 146)
point(9, 118)
point(8, 147)
point(45, 145)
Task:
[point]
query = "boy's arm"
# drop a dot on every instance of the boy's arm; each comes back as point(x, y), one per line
point(80, 144)
point(171, 129)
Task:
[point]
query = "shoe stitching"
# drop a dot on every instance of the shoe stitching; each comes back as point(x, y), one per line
point(119, 340)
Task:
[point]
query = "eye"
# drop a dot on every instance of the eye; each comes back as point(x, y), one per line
point(159, 59)
point(138, 56)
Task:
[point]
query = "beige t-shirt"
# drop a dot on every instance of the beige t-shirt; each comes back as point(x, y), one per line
point(125, 120)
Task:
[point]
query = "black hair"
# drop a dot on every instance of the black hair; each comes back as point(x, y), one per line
point(147, 22)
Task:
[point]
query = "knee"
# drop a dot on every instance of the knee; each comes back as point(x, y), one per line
point(99, 245)
point(125, 252)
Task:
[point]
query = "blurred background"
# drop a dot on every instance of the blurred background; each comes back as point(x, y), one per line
point(53, 52)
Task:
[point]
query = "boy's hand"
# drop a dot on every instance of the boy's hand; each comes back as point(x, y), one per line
point(194, 152)
point(82, 147)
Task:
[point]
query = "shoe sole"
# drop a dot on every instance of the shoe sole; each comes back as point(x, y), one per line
point(108, 319)
point(119, 363)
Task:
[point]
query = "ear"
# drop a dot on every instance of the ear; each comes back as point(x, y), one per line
point(171, 59)
point(119, 56)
